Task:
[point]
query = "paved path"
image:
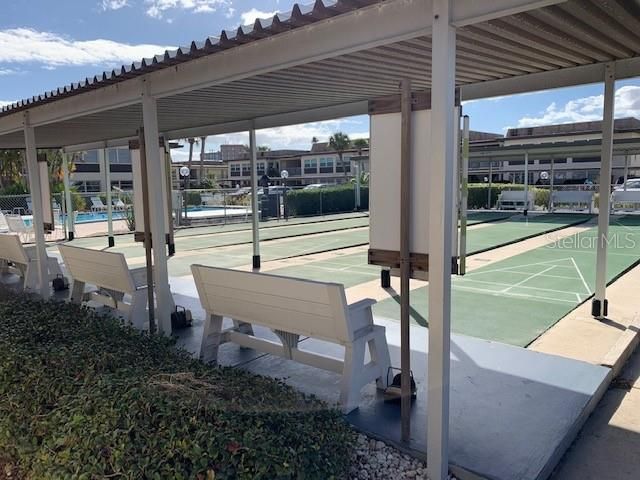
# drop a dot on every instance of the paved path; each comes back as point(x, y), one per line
point(608, 447)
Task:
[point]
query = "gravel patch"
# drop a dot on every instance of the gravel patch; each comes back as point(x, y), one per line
point(373, 460)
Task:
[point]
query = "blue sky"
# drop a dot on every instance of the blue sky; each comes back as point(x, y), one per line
point(45, 44)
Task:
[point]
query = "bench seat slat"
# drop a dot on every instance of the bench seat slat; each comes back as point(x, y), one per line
point(259, 298)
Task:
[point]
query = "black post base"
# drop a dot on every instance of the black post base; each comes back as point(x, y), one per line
point(112, 242)
point(172, 249)
point(600, 309)
point(71, 236)
point(385, 278)
point(526, 212)
point(256, 261)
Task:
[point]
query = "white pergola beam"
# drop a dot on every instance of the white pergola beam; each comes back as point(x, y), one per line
point(441, 198)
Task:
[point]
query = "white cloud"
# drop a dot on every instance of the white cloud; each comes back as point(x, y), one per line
point(114, 4)
point(230, 12)
point(23, 45)
point(8, 71)
point(6, 102)
point(249, 18)
point(627, 104)
point(156, 8)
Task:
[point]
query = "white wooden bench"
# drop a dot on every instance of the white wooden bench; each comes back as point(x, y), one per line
point(112, 278)
point(574, 199)
point(515, 199)
point(293, 308)
point(20, 260)
point(629, 200)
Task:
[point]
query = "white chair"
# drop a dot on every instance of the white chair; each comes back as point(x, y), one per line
point(294, 308)
point(118, 204)
point(4, 227)
point(16, 225)
point(97, 205)
point(23, 261)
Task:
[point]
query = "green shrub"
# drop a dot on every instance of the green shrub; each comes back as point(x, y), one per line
point(83, 397)
point(340, 198)
point(194, 198)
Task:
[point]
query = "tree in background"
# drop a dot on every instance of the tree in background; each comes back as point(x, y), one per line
point(11, 168)
point(340, 142)
point(360, 143)
point(263, 148)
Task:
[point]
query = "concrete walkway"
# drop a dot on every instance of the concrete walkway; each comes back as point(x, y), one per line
point(608, 447)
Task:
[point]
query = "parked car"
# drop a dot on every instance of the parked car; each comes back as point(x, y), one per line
point(632, 185)
point(315, 186)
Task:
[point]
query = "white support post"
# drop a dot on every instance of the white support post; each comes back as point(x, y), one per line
point(154, 158)
point(599, 306)
point(255, 218)
point(105, 165)
point(526, 183)
point(67, 197)
point(626, 172)
point(551, 183)
point(464, 195)
point(36, 200)
point(440, 237)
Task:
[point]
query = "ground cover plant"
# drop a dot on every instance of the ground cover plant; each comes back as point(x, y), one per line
point(83, 397)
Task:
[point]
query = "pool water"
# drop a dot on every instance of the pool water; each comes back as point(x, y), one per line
point(82, 217)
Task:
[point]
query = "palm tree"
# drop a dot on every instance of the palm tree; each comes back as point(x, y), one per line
point(263, 148)
point(314, 140)
point(201, 172)
point(340, 142)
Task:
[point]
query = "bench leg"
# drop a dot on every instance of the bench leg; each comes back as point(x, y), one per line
point(54, 267)
point(351, 382)
point(30, 278)
point(211, 338)
point(77, 292)
point(380, 357)
point(138, 312)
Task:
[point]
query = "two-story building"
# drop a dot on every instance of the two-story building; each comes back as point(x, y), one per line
point(570, 152)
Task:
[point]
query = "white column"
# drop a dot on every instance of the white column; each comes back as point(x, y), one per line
point(464, 195)
point(36, 200)
point(526, 182)
point(599, 306)
point(154, 158)
point(440, 237)
point(255, 219)
point(551, 183)
point(106, 168)
point(626, 171)
point(67, 196)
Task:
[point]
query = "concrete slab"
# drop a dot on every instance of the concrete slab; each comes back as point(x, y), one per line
point(609, 444)
point(513, 411)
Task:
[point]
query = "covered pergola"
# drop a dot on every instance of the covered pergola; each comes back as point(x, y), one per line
point(325, 61)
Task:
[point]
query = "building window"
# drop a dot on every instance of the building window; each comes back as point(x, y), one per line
point(87, 187)
point(235, 170)
point(326, 165)
point(125, 185)
point(261, 168)
point(89, 157)
point(311, 165)
point(347, 165)
point(119, 156)
point(246, 169)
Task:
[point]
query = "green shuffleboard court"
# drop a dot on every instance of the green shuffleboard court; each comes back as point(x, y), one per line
point(353, 269)
point(515, 300)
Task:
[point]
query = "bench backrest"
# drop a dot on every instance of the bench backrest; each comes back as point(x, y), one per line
point(102, 269)
point(514, 195)
point(11, 249)
point(628, 196)
point(573, 196)
point(4, 226)
point(304, 307)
